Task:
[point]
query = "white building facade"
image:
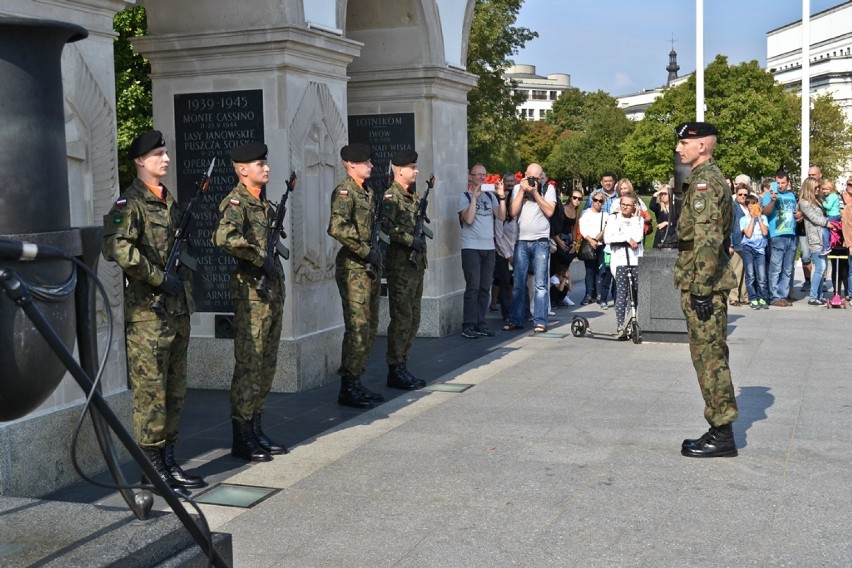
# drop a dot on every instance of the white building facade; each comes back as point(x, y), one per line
point(540, 92)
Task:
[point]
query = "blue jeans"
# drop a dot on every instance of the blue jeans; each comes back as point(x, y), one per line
point(591, 277)
point(539, 251)
point(781, 257)
point(604, 277)
point(817, 272)
point(754, 263)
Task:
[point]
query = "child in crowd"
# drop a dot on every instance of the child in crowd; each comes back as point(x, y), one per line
point(831, 206)
point(755, 230)
point(560, 285)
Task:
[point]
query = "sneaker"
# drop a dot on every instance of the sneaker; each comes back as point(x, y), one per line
point(470, 333)
point(816, 302)
point(762, 304)
point(781, 302)
point(754, 305)
point(586, 301)
point(566, 301)
point(806, 286)
point(621, 333)
point(483, 331)
point(551, 313)
point(603, 306)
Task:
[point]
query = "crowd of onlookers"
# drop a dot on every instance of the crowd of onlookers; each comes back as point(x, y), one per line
point(519, 240)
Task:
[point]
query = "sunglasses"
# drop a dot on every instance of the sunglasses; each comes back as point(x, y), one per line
point(598, 200)
point(742, 195)
point(576, 197)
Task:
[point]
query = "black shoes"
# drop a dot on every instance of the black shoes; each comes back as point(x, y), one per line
point(483, 331)
point(155, 456)
point(400, 378)
point(245, 445)
point(717, 442)
point(263, 440)
point(179, 475)
point(470, 333)
point(354, 394)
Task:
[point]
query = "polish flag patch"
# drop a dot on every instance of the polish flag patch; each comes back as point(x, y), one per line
point(388, 196)
point(235, 202)
point(121, 202)
point(343, 192)
point(700, 186)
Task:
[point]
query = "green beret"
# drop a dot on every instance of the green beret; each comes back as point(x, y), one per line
point(145, 142)
point(356, 152)
point(695, 130)
point(249, 152)
point(404, 157)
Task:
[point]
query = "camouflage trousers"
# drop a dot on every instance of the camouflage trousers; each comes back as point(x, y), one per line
point(405, 288)
point(257, 334)
point(360, 298)
point(709, 350)
point(156, 361)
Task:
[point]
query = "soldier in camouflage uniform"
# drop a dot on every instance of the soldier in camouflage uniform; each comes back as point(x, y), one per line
point(704, 277)
point(404, 276)
point(357, 272)
point(245, 217)
point(138, 234)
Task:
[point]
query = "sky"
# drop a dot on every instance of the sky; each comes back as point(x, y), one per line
point(622, 46)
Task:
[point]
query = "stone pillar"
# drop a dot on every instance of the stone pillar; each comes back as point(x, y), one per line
point(301, 73)
point(438, 98)
point(660, 316)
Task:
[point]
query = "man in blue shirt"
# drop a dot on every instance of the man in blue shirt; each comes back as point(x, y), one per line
point(607, 188)
point(779, 206)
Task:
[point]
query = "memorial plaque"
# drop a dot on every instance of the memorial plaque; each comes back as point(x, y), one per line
point(208, 125)
point(385, 133)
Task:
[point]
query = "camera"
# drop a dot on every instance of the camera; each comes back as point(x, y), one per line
point(532, 181)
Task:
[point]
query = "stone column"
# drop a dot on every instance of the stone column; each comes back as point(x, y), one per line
point(438, 98)
point(302, 75)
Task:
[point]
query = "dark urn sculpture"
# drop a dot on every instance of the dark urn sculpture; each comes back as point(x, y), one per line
point(34, 204)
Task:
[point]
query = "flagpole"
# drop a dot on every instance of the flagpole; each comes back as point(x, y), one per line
point(699, 60)
point(806, 88)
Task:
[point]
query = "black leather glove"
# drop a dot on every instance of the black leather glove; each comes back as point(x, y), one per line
point(270, 267)
point(374, 258)
point(702, 305)
point(171, 285)
point(418, 245)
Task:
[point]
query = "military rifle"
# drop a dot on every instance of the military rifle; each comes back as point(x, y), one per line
point(276, 235)
point(173, 261)
point(377, 236)
point(420, 221)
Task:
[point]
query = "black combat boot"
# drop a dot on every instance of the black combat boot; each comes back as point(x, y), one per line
point(418, 382)
point(245, 445)
point(373, 397)
point(155, 456)
point(717, 442)
point(352, 394)
point(178, 474)
point(399, 379)
point(265, 442)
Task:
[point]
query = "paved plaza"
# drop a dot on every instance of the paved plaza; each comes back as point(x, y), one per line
point(562, 451)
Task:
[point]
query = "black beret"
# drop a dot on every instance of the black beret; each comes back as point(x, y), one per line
point(145, 142)
point(249, 152)
point(356, 152)
point(695, 130)
point(404, 157)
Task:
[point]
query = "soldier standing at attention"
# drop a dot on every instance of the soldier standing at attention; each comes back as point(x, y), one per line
point(404, 275)
point(704, 277)
point(138, 233)
point(243, 230)
point(352, 211)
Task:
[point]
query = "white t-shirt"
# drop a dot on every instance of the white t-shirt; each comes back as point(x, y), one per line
point(623, 229)
point(533, 224)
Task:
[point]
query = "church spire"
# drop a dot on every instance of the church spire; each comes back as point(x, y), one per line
point(673, 67)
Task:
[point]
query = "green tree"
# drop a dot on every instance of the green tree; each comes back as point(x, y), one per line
point(133, 101)
point(493, 124)
point(831, 136)
point(536, 141)
point(593, 130)
point(757, 121)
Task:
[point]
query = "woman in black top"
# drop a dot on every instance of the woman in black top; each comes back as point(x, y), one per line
point(565, 252)
point(666, 235)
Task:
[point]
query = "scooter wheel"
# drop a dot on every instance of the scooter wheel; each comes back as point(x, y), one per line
point(634, 333)
point(579, 326)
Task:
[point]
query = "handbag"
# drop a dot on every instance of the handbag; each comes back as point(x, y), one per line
point(587, 251)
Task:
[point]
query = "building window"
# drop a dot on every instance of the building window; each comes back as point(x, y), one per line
point(539, 95)
point(542, 113)
point(554, 95)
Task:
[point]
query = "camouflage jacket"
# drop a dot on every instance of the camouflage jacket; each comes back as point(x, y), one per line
point(703, 264)
point(243, 231)
point(398, 221)
point(138, 233)
point(351, 221)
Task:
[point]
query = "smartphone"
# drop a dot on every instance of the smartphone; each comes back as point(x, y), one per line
point(773, 187)
point(487, 187)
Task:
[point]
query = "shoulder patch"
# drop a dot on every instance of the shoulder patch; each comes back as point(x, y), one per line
point(698, 205)
point(388, 196)
point(235, 202)
point(701, 186)
point(121, 202)
point(343, 192)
